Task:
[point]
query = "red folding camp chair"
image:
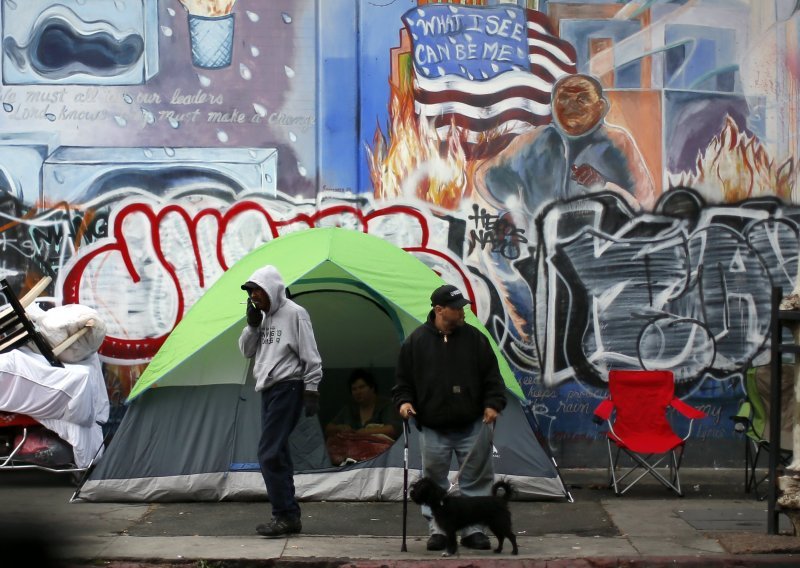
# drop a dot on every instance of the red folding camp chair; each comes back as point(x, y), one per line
point(638, 401)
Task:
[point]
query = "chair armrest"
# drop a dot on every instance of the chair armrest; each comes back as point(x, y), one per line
point(603, 411)
point(687, 410)
point(743, 419)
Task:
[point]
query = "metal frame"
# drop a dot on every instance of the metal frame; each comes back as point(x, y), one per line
point(753, 451)
point(16, 329)
point(780, 318)
point(674, 481)
point(9, 463)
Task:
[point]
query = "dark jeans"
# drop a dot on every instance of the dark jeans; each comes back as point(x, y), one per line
point(281, 405)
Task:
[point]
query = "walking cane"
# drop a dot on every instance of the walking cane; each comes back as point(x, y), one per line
point(405, 482)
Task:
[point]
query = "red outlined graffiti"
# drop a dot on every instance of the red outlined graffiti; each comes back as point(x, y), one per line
point(132, 348)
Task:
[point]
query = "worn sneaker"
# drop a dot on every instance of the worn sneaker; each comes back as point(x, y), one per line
point(279, 527)
point(437, 542)
point(476, 541)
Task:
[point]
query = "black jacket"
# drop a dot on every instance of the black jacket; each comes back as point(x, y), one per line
point(449, 383)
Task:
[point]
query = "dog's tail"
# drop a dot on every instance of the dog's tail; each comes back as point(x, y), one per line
point(504, 487)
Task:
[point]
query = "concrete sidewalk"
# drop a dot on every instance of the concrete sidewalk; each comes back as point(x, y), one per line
point(716, 523)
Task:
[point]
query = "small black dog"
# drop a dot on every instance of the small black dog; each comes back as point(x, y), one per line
point(454, 512)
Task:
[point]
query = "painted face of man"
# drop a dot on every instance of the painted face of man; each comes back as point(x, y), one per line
point(578, 106)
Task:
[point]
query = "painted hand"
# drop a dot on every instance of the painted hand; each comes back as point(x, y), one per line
point(587, 176)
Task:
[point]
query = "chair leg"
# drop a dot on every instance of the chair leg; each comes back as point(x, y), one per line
point(616, 481)
point(672, 465)
point(754, 480)
point(784, 459)
point(651, 469)
point(642, 463)
point(612, 466)
point(10, 457)
point(676, 478)
point(748, 456)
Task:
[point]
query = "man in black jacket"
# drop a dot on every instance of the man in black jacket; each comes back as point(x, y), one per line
point(449, 380)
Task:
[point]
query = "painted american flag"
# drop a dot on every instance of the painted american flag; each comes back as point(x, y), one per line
point(485, 69)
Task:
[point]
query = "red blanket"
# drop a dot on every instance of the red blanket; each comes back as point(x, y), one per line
point(344, 446)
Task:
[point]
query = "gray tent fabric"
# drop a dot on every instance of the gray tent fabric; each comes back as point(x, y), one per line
point(199, 444)
point(194, 435)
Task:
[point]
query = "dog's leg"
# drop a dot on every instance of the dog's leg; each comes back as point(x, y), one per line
point(513, 539)
point(499, 531)
point(452, 543)
point(500, 539)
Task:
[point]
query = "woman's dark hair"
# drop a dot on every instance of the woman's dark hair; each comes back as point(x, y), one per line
point(366, 376)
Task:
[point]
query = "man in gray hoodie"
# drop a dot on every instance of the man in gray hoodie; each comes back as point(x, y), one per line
point(287, 370)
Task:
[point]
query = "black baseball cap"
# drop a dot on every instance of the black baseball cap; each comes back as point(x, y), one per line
point(450, 296)
point(250, 285)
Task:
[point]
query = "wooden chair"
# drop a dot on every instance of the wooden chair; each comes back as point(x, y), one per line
point(16, 329)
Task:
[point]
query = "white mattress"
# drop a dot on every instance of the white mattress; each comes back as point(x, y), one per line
point(71, 401)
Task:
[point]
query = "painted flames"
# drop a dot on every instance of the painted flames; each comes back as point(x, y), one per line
point(736, 166)
point(414, 161)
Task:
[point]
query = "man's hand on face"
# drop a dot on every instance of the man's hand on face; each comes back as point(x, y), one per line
point(254, 315)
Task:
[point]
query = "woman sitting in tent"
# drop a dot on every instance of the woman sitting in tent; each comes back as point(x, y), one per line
point(364, 428)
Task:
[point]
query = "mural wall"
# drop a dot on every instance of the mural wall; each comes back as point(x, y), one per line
point(613, 183)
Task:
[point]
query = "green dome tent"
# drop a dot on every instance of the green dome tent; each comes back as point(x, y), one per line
point(191, 430)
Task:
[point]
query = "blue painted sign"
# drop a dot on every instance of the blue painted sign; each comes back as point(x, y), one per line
point(474, 43)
